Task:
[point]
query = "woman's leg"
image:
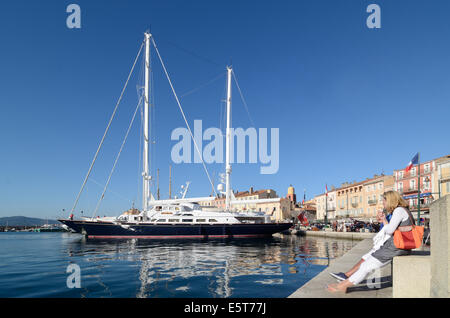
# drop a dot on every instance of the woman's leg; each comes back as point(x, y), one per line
point(366, 267)
point(354, 268)
point(357, 265)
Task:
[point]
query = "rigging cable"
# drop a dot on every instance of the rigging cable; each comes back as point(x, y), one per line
point(243, 100)
point(182, 113)
point(107, 128)
point(203, 85)
point(117, 158)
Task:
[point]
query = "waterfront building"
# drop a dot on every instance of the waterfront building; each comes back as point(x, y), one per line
point(278, 209)
point(326, 205)
point(251, 195)
point(208, 204)
point(407, 184)
point(373, 194)
point(441, 177)
point(349, 199)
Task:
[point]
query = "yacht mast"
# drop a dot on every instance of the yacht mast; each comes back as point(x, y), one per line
point(228, 141)
point(145, 173)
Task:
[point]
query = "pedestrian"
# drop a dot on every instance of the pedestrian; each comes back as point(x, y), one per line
point(394, 204)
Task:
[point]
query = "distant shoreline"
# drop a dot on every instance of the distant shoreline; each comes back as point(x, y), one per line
point(23, 221)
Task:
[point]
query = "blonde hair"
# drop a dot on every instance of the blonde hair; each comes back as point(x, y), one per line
point(394, 200)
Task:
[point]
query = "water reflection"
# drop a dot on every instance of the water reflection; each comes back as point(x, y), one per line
point(213, 268)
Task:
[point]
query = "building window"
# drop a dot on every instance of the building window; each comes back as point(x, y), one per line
point(427, 168)
point(426, 184)
point(413, 171)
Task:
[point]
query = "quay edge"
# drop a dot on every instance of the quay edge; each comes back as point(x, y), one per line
point(339, 235)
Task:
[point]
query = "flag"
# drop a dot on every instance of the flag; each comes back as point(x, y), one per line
point(303, 220)
point(414, 161)
point(326, 190)
point(304, 197)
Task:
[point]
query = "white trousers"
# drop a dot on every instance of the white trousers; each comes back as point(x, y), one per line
point(370, 264)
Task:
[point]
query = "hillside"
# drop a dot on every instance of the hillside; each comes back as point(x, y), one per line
point(24, 221)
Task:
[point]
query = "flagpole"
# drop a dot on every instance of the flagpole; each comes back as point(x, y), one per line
point(326, 205)
point(418, 190)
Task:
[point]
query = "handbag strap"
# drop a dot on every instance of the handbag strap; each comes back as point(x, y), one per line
point(410, 217)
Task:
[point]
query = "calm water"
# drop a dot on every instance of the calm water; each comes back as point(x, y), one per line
point(35, 264)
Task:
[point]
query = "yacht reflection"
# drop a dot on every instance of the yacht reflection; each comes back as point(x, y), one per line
point(171, 268)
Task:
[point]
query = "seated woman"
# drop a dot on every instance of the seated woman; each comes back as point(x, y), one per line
point(378, 241)
point(395, 204)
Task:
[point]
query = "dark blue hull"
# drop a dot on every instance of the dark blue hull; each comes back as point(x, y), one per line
point(111, 230)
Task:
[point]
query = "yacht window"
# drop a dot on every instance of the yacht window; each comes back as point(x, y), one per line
point(188, 220)
point(174, 220)
point(212, 220)
point(161, 220)
point(153, 220)
point(200, 220)
point(187, 214)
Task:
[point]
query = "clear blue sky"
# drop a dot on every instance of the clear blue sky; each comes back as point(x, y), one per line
point(349, 101)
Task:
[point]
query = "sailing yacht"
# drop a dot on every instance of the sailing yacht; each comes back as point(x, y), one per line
point(178, 218)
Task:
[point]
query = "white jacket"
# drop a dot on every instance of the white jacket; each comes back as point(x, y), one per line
point(378, 241)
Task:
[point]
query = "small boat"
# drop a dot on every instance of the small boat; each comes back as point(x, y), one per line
point(49, 228)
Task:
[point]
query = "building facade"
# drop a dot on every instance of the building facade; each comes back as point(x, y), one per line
point(373, 194)
point(326, 205)
point(279, 209)
point(349, 199)
point(407, 184)
point(441, 177)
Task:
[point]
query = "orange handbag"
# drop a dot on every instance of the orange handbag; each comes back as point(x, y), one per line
point(408, 237)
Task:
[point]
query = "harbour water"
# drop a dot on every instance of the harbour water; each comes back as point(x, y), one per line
point(35, 265)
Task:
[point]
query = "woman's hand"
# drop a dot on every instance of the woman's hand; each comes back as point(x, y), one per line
point(381, 217)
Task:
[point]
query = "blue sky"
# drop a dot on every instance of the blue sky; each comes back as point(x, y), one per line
point(349, 101)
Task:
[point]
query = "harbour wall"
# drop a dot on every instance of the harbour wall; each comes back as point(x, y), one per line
point(339, 235)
